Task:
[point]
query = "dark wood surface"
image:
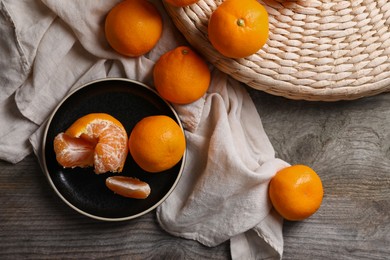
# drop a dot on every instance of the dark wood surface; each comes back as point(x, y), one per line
point(347, 143)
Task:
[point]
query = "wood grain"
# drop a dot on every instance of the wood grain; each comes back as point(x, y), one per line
point(347, 143)
point(35, 223)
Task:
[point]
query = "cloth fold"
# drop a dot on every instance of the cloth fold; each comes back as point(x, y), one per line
point(50, 47)
point(224, 189)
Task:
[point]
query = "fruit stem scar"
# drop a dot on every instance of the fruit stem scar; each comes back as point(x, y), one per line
point(240, 22)
point(184, 52)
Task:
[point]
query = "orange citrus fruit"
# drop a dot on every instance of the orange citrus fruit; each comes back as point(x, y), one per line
point(181, 76)
point(96, 139)
point(128, 187)
point(133, 27)
point(157, 143)
point(296, 192)
point(181, 3)
point(238, 28)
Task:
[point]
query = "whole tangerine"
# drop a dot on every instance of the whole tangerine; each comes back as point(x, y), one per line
point(181, 3)
point(238, 28)
point(296, 192)
point(181, 76)
point(133, 27)
point(157, 143)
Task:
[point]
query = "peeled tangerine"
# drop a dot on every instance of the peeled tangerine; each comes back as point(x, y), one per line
point(96, 139)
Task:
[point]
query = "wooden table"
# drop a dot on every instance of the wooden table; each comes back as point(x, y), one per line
point(347, 143)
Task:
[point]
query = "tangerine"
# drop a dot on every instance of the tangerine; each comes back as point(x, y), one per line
point(181, 3)
point(238, 28)
point(296, 192)
point(157, 143)
point(133, 27)
point(181, 76)
point(128, 187)
point(96, 139)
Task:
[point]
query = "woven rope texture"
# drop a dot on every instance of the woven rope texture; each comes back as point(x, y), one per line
point(317, 50)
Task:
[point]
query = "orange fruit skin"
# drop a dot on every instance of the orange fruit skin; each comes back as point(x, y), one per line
point(181, 76)
point(81, 125)
point(157, 143)
point(181, 3)
point(96, 139)
point(235, 40)
point(296, 192)
point(133, 27)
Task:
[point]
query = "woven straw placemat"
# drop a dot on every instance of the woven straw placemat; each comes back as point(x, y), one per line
point(324, 50)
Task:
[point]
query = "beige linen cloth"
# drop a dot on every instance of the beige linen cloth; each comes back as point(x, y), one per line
point(50, 47)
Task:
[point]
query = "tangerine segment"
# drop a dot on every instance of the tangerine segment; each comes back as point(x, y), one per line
point(128, 187)
point(133, 27)
point(101, 131)
point(296, 192)
point(157, 143)
point(238, 28)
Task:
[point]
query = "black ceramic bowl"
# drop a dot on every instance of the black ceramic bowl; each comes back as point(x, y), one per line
point(82, 189)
